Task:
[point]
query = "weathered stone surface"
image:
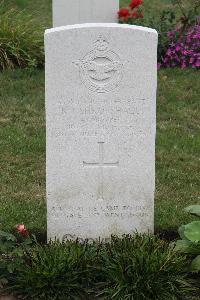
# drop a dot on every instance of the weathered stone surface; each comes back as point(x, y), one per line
point(101, 125)
point(68, 12)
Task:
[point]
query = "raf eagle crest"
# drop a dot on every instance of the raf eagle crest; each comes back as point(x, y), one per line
point(100, 69)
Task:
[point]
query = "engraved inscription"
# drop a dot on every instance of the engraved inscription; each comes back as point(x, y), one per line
point(101, 165)
point(101, 69)
point(97, 119)
point(102, 211)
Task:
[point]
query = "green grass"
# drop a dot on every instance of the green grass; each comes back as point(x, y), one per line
point(41, 10)
point(21, 40)
point(140, 267)
point(22, 148)
point(178, 144)
point(22, 139)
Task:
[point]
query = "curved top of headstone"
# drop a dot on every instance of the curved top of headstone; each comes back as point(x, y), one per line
point(101, 25)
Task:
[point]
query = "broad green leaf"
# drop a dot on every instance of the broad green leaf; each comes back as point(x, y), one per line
point(181, 232)
point(186, 246)
point(195, 265)
point(182, 246)
point(192, 231)
point(193, 210)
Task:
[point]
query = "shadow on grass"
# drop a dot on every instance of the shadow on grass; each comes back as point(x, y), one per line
point(168, 235)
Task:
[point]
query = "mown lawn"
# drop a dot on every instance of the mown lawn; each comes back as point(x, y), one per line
point(22, 148)
point(22, 139)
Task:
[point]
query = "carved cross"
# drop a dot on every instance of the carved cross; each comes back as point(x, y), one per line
point(101, 165)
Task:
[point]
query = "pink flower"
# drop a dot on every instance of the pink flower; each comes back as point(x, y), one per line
point(159, 65)
point(197, 64)
point(22, 229)
point(170, 34)
point(191, 60)
point(183, 49)
point(178, 48)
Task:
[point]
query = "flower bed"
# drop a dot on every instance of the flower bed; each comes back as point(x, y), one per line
point(179, 47)
point(184, 48)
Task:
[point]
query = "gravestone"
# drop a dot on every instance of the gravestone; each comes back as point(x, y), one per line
point(67, 12)
point(101, 125)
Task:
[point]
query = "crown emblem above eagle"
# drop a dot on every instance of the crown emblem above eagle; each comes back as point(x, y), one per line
point(101, 44)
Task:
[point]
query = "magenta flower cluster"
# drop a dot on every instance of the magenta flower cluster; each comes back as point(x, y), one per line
point(184, 48)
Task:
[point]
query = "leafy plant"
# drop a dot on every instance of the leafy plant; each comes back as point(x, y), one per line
point(165, 22)
point(178, 30)
point(138, 267)
point(183, 48)
point(55, 271)
point(190, 238)
point(188, 14)
point(193, 210)
point(12, 249)
point(21, 40)
point(142, 267)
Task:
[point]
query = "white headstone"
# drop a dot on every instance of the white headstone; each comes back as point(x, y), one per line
point(67, 12)
point(101, 125)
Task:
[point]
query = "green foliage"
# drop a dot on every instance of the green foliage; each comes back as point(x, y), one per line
point(188, 13)
point(143, 267)
point(192, 231)
point(176, 15)
point(163, 23)
point(21, 3)
point(193, 210)
point(195, 265)
point(12, 250)
point(138, 267)
point(187, 247)
point(190, 242)
point(166, 23)
point(55, 271)
point(21, 40)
